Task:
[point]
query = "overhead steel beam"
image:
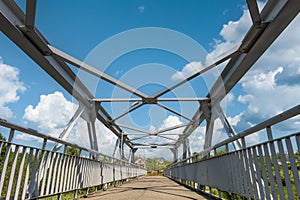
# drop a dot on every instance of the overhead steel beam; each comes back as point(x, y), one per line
point(137, 138)
point(140, 99)
point(254, 12)
point(118, 100)
point(275, 16)
point(14, 34)
point(170, 128)
point(94, 71)
point(184, 99)
point(134, 128)
point(173, 111)
point(129, 111)
point(168, 138)
point(198, 118)
point(211, 66)
point(32, 43)
point(30, 13)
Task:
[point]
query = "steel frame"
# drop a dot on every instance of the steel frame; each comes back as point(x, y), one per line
point(267, 26)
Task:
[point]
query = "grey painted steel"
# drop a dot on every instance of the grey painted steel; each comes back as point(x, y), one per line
point(285, 170)
point(94, 71)
point(254, 12)
point(140, 99)
point(173, 111)
point(30, 13)
point(254, 171)
point(36, 47)
point(54, 173)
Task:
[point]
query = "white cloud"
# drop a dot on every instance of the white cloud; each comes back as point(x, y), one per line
point(187, 71)
point(52, 114)
point(272, 85)
point(11, 86)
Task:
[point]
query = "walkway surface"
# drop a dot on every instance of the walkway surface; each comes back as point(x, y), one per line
point(147, 187)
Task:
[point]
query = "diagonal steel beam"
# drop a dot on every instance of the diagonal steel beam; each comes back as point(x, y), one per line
point(30, 13)
point(117, 100)
point(95, 71)
point(173, 111)
point(129, 111)
point(183, 99)
point(137, 138)
point(134, 128)
point(171, 128)
point(211, 66)
point(276, 16)
point(33, 44)
point(254, 12)
point(168, 138)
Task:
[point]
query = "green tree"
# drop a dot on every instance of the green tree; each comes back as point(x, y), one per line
point(73, 151)
point(2, 137)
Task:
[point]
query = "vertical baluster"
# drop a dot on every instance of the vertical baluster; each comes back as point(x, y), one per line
point(18, 184)
point(254, 186)
point(45, 170)
point(12, 172)
point(55, 172)
point(293, 164)
point(24, 190)
point(277, 171)
point(270, 171)
point(257, 173)
point(285, 170)
point(50, 175)
point(264, 173)
point(4, 166)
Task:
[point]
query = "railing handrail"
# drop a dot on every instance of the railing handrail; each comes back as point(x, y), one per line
point(58, 140)
point(272, 121)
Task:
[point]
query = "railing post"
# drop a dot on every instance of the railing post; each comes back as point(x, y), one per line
point(243, 142)
point(269, 133)
point(11, 135)
point(76, 177)
point(226, 148)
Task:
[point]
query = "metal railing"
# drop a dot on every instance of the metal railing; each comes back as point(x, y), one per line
point(30, 173)
point(269, 170)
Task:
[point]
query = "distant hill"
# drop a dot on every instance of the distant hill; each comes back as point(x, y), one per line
point(154, 164)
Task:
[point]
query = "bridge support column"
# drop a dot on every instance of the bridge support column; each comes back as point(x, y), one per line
point(230, 131)
point(175, 154)
point(132, 159)
point(186, 149)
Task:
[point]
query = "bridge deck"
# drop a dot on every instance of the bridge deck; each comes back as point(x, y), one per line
point(148, 187)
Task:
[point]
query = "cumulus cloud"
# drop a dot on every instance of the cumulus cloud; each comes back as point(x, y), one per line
point(10, 88)
point(187, 71)
point(52, 114)
point(272, 85)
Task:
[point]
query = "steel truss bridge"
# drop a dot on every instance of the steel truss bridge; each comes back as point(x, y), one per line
point(248, 171)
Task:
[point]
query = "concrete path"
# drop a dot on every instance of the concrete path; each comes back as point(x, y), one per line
point(147, 188)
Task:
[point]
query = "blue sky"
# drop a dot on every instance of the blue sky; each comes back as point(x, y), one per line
point(81, 28)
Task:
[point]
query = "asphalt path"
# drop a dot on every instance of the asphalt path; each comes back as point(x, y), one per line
point(147, 188)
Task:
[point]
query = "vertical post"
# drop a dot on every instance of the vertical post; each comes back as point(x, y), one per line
point(11, 135)
point(243, 142)
point(175, 154)
point(269, 132)
point(132, 155)
point(184, 150)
